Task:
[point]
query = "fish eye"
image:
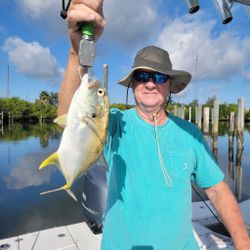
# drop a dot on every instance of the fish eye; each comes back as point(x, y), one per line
point(100, 92)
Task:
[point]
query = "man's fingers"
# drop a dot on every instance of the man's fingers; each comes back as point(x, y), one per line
point(84, 11)
point(78, 13)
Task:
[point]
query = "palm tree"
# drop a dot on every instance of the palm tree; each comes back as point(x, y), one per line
point(53, 100)
point(44, 97)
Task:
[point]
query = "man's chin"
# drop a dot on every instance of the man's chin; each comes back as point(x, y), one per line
point(150, 107)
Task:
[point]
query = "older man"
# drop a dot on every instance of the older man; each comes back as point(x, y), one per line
point(153, 156)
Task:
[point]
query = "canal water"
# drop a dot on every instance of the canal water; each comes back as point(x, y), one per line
point(24, 146)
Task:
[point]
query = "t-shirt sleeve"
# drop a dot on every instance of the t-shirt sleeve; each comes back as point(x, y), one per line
point(206, 170)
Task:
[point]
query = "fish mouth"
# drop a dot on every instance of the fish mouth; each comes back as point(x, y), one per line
point(93, 84)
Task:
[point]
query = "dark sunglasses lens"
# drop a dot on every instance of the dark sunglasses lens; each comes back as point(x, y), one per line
point(142, 76)
point(160, 78)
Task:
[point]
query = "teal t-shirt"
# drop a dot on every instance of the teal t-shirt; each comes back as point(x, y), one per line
point(142, 212)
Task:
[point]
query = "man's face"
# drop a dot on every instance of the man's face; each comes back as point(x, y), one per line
point(149, 94)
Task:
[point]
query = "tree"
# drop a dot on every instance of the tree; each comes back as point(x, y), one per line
point(44, 111)
point(18, 109)
point(53, 99)
point(44, 97)
point(210, 102)
point(247, 115)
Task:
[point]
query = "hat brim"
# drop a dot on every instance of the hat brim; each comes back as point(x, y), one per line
point(179, 78)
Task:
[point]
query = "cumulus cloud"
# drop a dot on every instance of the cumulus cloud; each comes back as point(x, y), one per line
point(246, 74)
point(32, 59)
point(37, 8)
point(193, 47)
point(46, 15)
point(130, 23)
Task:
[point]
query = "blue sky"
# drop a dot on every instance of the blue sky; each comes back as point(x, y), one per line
point(34, 44)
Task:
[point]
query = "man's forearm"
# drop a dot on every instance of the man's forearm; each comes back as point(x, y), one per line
point(227, 208)
point(69, 84)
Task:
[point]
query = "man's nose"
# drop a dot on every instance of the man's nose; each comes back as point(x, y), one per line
point(150, 83)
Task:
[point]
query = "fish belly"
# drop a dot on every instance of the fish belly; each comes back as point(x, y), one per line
point(78, 149)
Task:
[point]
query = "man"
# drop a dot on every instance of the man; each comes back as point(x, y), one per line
point(152, 155)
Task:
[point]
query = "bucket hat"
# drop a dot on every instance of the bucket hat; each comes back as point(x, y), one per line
point(156, 59)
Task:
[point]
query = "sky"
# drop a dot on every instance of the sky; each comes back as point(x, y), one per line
point(34, 47)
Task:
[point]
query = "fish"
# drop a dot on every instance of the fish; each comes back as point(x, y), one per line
point(85, 129)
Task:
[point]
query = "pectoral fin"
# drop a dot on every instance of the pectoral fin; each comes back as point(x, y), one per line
point(66, 187)
point(52, 159)
point(61, 120)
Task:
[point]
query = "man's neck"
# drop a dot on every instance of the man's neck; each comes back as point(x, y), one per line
point(149, 114)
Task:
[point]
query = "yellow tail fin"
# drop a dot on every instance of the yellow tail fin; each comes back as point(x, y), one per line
point(66, 187)
point(52, 159)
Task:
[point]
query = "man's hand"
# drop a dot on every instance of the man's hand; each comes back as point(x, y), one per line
point(84, 11)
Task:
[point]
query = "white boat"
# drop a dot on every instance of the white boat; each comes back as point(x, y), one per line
point(80, 237)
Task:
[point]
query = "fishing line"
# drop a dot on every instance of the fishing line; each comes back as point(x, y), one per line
point(167, 178)
point(216, 217)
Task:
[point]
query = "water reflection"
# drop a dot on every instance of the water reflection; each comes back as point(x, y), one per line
point(215, 145)
point(18, 132)
point(23, 160)
point(238, 168)
point(235, 172)
point(22, 209)
point(25, 173)
point(231, 155)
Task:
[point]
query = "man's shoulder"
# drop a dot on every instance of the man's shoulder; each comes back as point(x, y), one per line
point(117, 115)
point(120, 112)
point(184, 124)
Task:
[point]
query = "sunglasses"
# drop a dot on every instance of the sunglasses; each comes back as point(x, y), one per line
point(144, 76)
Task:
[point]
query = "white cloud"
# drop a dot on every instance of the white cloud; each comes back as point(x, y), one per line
point(32, 59)
point(131, 23)
point(219, 57)
point(45, 14)
point(247, 74)
point(36, 9)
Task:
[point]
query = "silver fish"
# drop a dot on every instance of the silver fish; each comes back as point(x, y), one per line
point(84, 133)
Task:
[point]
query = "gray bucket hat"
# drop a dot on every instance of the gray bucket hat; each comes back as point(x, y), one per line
point(157, 59)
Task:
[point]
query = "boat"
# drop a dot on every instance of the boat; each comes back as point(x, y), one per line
point(87, 235)
point(80, 237)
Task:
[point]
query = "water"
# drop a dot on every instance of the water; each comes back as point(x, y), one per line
point(22, 149)
point(22, 208)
